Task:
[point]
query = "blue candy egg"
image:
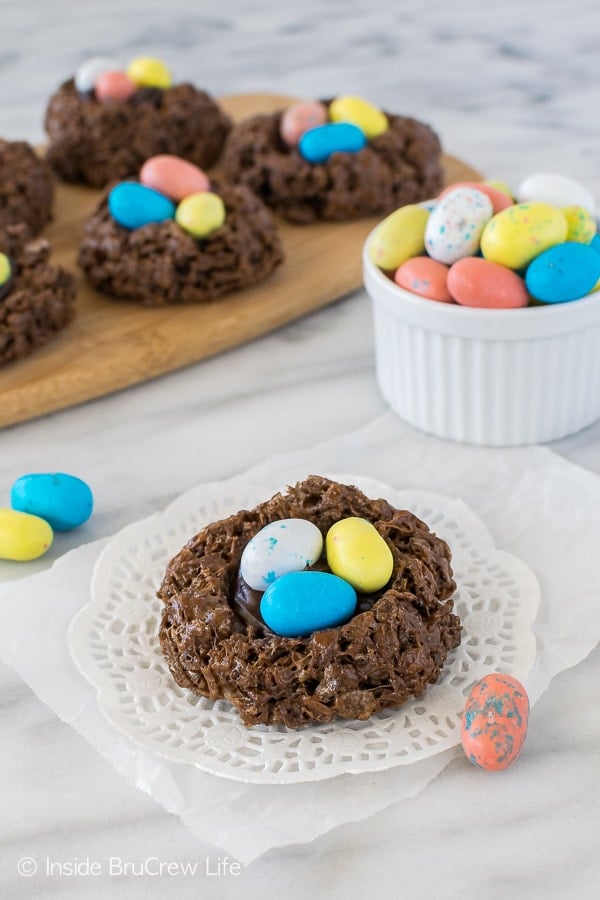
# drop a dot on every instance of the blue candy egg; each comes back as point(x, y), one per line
point(286, 545)
point(317, 144)
point(564, 272)
point(299, 603)
point(134, 205)
point(595, 243)
point(64, 501)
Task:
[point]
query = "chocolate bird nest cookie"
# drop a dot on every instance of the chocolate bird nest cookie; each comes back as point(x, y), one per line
point(95, 143)
point(26, 187)
point(403, 165)
point(38, 299)
point(390, 650)
point(162, 264)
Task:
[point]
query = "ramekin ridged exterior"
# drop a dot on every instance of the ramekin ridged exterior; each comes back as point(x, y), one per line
point(486, 376)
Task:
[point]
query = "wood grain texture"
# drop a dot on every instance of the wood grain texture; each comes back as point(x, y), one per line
point(112, 345)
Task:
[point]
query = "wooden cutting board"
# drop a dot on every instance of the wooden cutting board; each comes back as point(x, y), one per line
point(112, 345)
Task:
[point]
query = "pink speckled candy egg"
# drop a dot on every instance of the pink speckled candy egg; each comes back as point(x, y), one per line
point(426, 277)
point(173, 176)
point(494, 722)
point(455, 225)
point(114, 87)
point(500, 200)
point(474, 281)
point(301, 117)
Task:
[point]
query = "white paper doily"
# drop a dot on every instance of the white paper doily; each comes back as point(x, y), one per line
point(113, 640)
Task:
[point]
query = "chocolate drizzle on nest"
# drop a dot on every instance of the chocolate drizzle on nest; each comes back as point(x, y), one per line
point(392, 648)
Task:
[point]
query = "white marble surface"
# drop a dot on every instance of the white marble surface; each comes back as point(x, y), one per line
point(511, 88)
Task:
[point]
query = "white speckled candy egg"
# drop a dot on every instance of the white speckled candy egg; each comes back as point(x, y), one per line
point(288, 545)
point(557, 190)
point(455, 225)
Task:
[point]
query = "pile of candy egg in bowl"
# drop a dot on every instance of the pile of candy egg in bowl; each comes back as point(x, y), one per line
point(478, 246)
point(487, 310)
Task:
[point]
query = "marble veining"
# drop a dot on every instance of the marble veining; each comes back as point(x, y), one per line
point(511, 88)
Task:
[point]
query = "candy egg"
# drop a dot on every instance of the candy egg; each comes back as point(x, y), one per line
point(454, 227)
point(371, 120)
point(88, 72)
point(114, 87)
point(146, 71)
point(581, 224)
point(556, 190)
point(287, 545)
point(64, 501)
point(474, 281)
point(317, 145)
point(301, 117)
point(200, 214)
point(494, 723)
point(565, 272)
point(426, 277)
point(398, 237)
point(22, 536)
point(499, 198)
point(6, 275)
point(500, 186)
point(173, 176)
point(302, 602)
point(520, 233)
point(357, 553)
point(134, 205)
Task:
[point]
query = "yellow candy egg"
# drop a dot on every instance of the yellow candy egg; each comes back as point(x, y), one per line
point(581, 224)
point(200, 213)
point(357, 553)
point(371, 120)
point(399, 237)
point(5, 269)
point(146, 71)
point(23, 536)
point(500, 186)
point(521, 232)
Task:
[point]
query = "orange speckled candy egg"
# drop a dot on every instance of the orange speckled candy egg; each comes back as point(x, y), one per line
point(474, 281)
point(114, 87)
point(173, 176)
point(301, 117)
point(494, 722)
point(498, 198)
point(426, 277)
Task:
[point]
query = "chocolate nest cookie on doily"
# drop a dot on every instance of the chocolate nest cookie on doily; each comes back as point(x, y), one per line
point(393, 647)
point(162, 264)
point(39, 300)
point(95, 143)
point(403, 165)
point(26, 187)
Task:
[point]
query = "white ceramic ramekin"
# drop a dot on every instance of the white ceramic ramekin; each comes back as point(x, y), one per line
point(486, 376)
